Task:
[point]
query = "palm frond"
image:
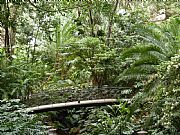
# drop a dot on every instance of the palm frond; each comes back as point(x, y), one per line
point(64, 34)
point(67, 31)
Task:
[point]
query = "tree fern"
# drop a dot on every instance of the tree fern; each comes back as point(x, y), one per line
point(159, 44)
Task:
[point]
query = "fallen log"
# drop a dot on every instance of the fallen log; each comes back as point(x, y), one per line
point(75, 104)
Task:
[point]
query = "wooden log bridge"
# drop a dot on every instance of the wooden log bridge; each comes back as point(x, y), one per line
point(75, 104)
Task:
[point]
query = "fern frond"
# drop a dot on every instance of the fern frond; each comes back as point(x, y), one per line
point(158, 55)
point(138, 49)
point(151, 60)
point(143, 69)
point(135, 76)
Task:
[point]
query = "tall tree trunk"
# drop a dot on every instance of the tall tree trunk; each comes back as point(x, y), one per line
point(6, 27)
point(12, 32)
point(111, 23)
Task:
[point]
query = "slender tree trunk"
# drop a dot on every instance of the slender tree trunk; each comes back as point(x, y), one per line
point(111, 23)
point(7, 45)
point(91, 22)
point(34, 47)
point(12, 40)
point(28, 52)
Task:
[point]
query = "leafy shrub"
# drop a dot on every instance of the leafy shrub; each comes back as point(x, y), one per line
point(166, 107)
point(89, 60)
point(157, 109)
point(15, 121)
point(19, 79)
point(113, 120)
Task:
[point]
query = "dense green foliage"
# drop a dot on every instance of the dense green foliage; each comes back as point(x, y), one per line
point(158, 108)
point(14, 120)
point(108, 49)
